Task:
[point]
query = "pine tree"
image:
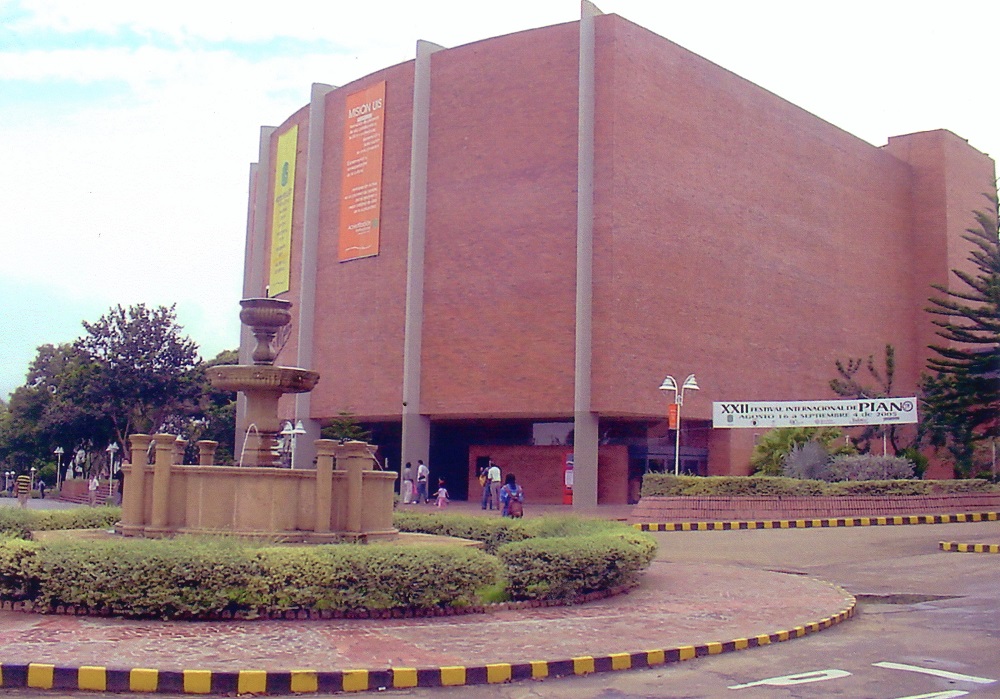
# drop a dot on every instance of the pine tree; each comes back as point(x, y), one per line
point(963, 395)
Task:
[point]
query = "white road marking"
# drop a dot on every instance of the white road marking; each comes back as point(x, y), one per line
point(801, 678)
point(937, 673)
point(950, 694)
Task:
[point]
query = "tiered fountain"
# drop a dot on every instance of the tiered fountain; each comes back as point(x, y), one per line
point(342, 499)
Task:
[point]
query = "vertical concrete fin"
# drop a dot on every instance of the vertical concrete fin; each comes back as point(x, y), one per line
point(585, 421)
point(416, 427)
point(305, 449)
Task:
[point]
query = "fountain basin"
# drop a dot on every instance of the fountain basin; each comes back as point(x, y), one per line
point(250, 377)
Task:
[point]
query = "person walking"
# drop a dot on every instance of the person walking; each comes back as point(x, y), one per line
point(493, 476)
point(95, 483)
point(41, 488)
point(406, 488)
point(512, 497)
point(22, 488)
point(441, 495)
point(484, 483)
point(423, 473)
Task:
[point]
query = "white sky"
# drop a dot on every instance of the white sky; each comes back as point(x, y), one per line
point(127, 128)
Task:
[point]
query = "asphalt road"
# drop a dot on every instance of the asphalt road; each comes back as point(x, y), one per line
point(927, 625)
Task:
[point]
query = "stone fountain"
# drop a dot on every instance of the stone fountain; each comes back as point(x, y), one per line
point(262, 383)
point(344, 498)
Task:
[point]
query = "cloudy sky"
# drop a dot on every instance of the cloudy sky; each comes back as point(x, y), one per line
point(127, 128)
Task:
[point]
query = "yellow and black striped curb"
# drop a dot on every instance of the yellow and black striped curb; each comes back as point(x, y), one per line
point(101, 679)
point(969, 548)
point(817, 523)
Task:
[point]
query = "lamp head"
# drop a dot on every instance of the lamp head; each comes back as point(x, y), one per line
point(668, 384)
point(691, 383)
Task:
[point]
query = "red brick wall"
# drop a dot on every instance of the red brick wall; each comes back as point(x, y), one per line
point(740, 238)
point(539, 470)
point(499, 297)
point(360, 305)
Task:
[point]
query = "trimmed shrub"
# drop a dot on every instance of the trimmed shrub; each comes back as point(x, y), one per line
point(194, 577)
point(375, 577)
point(493, 532)
point(182, 578)
point(662, 484)
point(550, 557)
point(665, 485)
point(866, 467)
point(19, 569)
point(807, 461)
point(566, 567)
point(21, 523)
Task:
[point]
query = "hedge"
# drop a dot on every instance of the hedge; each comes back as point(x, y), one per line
point(660, 484)
point(205, 577)
point(192, 577)
point(567, 567)
point(20, 523)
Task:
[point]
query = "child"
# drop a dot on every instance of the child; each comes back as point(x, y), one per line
point(442, 494)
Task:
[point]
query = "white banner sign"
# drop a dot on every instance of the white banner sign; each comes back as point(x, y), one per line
point(814, 413)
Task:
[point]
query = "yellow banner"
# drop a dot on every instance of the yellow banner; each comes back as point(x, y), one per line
point(281, 218)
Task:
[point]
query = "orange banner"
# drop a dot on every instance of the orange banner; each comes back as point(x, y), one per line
point(362, 179)
point(672, 416)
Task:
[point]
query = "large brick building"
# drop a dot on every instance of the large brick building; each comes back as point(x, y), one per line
point(500, 247)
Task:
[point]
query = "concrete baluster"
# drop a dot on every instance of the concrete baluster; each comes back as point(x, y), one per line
point(206, 452)
point(134, 495)
point(353, 457)
point(325, 449)
point(166, 448)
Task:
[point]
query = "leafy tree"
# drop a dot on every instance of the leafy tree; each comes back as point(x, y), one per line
point(962, 396)
point(345, 427)
point(769, 455)
point(215, 417)
point(145, 371)
point(849, 385)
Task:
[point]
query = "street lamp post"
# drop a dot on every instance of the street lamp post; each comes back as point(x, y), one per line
point(112, 450)
point(291, 432)
point(31, 483)
point(669, 384)
point(59, 455)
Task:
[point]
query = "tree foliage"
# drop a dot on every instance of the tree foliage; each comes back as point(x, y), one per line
point(146, 371)
point(131, 371)
point(962, 394)
point(849, 385)
point(345, 427)
point(774, 446)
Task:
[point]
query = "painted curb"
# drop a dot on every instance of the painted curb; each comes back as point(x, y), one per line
point(969, 548)
point(103, 679)
point(817, 523)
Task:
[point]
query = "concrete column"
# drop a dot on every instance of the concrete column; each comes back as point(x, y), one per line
point(585, 422)
point(134, 497)
point(353, 457)
point(305, 447)
point(255, 262)
point(166, 445)
point(180, 447)
point(206, 452)
point(417, 427)
point(325, 450)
